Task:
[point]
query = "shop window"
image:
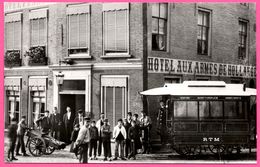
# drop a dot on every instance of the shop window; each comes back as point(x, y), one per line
point(114, 98)
point(159, 26)
point(78, 31)
point(242, 45)
point(13, 105)
point(116, 29)
point(38, 101)
point(203, 36)
point(186, 109)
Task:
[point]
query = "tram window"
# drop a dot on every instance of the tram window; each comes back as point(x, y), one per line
point(185, 109)
point(234, 109)
point(216, 109)
point(210, 109)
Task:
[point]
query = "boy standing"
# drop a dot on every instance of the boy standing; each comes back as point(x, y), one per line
point(119, 134)
point(133, 134)
point(105, 132)
point(93, 130)
point(127, 141)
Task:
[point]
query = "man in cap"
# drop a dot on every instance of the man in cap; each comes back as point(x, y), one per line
point(106, 135)
point(20, 135)
point(55, 123)
point(79, 119)
point(83, 141)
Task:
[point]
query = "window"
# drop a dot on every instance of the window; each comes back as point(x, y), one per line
point(235, 109)
point(13, 36)
point(38, 32)
point(211, 109)
point(186, 109)
point(159, 26)
point(13, 107)
point(203, 32)
point(242, 39)
point(172, 80)
point(115, 29)
point(38, 105)
point(114, 97)
point(78, 30)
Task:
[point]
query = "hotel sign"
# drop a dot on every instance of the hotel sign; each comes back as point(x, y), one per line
point(177, 66)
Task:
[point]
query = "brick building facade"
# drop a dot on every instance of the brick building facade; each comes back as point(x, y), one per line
point(118, 50)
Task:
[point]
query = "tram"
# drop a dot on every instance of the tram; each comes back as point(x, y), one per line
point(208, 116)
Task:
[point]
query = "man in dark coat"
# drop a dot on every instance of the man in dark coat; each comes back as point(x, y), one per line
point(127, 141)
point(44, 122)
point(79, 119)
point(55, 124)
point(20, 135)
point(99, 124)
point(68, 125)
point(12, 135)
point(161, 123)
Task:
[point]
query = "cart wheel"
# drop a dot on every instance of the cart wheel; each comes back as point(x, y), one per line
point(49, 150)
point(37, 146)
point(217, 149)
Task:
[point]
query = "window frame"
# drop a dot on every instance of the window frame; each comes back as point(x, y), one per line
point(166, 26)
point(16, 98)
point(209, 37)
point(246, 36)
point(20, 47)
point(88, 36)
point(116, 54)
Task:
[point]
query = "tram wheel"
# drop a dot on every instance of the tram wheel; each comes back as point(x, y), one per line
point(195, 150)
point(217, 149)
point(182, 150)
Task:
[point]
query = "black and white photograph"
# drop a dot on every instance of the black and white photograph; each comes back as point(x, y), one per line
point(130, 82)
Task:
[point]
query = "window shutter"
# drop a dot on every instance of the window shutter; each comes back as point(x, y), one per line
point(17, 36)
point(110, 31)
point(121, 30)
point(42, 32)
point(9, 36)
point(34, 32)
point(109, 105)
point(73, 29)
point(119, 106)
point(83, 30)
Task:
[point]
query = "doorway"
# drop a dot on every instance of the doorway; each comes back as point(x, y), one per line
point(74, 101)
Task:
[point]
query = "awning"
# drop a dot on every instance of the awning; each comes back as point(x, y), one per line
point(201, 88)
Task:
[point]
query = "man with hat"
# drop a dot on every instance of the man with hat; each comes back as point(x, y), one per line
point(83, 141)
point(79, 119)
point(55, 123)
point(45, 122)
point(20, 135)
point(106, 134)
point(99, 124)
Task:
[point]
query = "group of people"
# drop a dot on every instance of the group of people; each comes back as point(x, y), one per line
point(87, 137)
point(129, 135)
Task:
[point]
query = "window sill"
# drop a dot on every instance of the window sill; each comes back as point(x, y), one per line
point(78, 56)
point(116, 56)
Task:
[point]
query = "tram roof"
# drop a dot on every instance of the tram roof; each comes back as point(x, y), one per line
point(201, 88)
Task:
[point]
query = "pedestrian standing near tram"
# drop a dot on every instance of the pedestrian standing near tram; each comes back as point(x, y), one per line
point(129, 117)
point(79, 119)
point(83, 141)
point(145, 127)
point(161, 123)
point(12, 136)
point(119, 134)
point(68, 125)
point(20, 135)
point(44, 123)
point(134, 138)
point(106, 136)
point(99, 124)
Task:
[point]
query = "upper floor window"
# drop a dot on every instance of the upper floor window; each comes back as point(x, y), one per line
point(203, 34)
point(116, 28)
point(159, 26)
point(38, 26)
point(78, 30)
point(242, 39)
point(13, 28)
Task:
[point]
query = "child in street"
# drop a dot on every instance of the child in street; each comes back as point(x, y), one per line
point(106, 133)
point(93, 130)
point(119, 134)
point(134, 138)
point(73, 139)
